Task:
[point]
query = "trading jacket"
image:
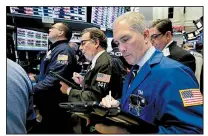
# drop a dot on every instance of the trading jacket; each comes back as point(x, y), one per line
point(179, 54)
point(168, 96)
point(60, 59)
point(100, 80)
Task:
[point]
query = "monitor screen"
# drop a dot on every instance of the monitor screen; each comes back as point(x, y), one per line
point(65, 13)
point(31, 40)
point(105, 16)
point(191, 35)
point(199, 25)
point(196, 33)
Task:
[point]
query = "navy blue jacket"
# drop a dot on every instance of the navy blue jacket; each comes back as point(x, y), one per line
point(169, 94)
point(60, 59)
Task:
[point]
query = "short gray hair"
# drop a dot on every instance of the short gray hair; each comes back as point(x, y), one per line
point(135, 20)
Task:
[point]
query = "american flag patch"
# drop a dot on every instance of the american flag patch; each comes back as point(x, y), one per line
point(62, 57)
point(103, 77)
point(191, 97)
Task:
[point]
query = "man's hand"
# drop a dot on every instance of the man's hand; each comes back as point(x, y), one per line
point(109, 101)
point(31, 76)
point(64, 87)
point(103, 129)
point(78, 78)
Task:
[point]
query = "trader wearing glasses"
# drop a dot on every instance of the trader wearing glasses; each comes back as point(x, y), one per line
point(100, 77)
point(60, 59)
point(161, 32)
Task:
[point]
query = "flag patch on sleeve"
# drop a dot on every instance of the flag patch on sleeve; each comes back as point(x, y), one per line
point(103, 77)
point(62, 57)
point(191, 97)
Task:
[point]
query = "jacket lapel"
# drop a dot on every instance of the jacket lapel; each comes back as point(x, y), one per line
point(143, 73)
point(172, 45)
point(126, 83)
point(141, 76)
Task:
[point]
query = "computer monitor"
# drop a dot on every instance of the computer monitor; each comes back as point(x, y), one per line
point(105, 16)
point(198, 24)
point(67, 13)
point(31, 40)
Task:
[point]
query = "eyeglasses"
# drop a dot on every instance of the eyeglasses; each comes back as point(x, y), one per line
point(52, 27)
point(155, 36)
point(83, 42)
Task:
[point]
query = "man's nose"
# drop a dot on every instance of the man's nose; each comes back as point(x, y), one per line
point(122, 48)
point(80, 48)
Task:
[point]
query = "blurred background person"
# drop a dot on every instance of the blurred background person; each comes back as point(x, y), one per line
point(161, 33)
point(21, 116)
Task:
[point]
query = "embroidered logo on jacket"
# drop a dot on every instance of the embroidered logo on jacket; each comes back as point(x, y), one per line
point(137, 103)
point(63, 59)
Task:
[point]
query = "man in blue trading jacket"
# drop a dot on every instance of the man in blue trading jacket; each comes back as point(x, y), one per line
point(167, 93)
point(60, 59)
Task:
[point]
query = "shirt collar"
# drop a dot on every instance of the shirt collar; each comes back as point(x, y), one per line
point(146, 56)
point(167, 45)
point(95, 59)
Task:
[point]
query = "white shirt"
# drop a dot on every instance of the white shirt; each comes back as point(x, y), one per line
point(146, 57)
point(95, 59)
point(166, 51)
point(168, 44)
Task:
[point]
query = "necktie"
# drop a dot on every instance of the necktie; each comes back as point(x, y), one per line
point(87, 72)
point(134, 73)
point(89, 66)
point(136, 68)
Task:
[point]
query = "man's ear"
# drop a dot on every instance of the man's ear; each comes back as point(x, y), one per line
point(146, 34)
point(97, 43)
point(168, 34)
point(61, 33)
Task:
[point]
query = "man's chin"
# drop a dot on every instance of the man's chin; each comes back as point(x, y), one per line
point(88, 58)
point(129, 61)
point(157, 47)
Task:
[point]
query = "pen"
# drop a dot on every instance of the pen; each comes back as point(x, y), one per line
point(110, 95)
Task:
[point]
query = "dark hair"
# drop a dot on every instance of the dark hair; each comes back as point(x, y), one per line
point(67, 30)
point(113, 44)
point(163, 25)
point(97, 34)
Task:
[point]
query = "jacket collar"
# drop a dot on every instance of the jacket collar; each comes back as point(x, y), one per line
point(95, 58)
point(57, 43)
point(172, 44)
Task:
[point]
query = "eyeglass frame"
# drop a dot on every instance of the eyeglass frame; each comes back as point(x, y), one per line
point(155, 36)
point(81, 43)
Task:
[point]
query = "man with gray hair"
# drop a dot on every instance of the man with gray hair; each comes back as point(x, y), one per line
point(158, 90)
